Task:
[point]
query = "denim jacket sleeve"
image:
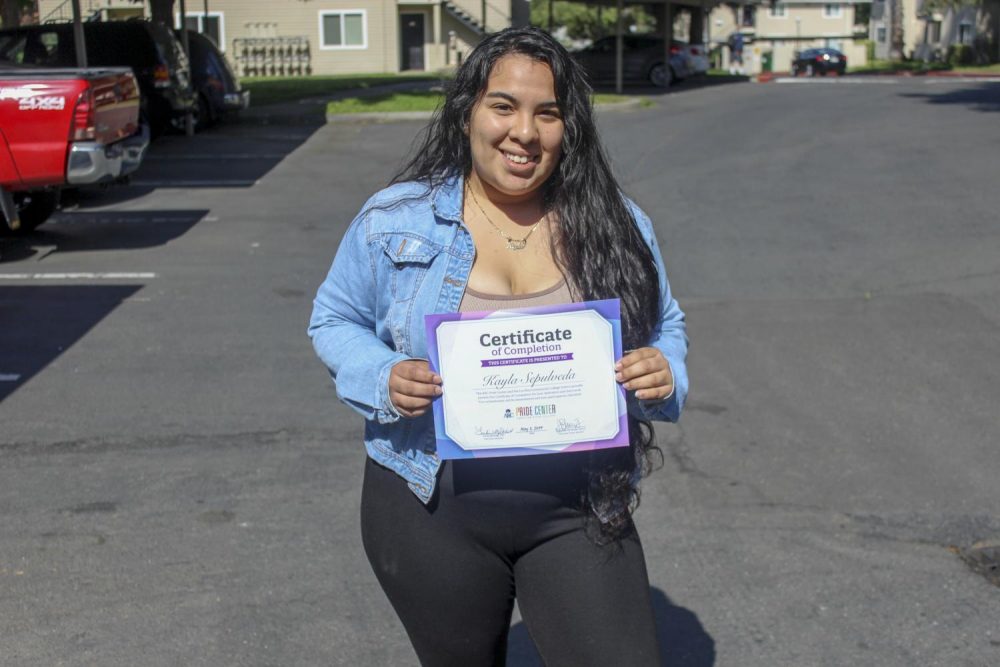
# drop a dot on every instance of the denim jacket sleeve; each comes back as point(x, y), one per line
point(343, 329)
point(669, 337)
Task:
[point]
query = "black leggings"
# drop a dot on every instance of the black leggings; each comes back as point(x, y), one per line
point(497, 528)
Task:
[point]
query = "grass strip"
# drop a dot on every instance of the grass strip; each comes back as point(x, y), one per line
point(418, 101)
point(274, 89)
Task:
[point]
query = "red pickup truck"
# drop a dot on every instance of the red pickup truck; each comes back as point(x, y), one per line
point(63, 127)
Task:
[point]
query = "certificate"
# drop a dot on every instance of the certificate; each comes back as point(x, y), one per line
point(528, 380)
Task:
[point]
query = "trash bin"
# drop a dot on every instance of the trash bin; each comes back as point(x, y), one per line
point(767, 61)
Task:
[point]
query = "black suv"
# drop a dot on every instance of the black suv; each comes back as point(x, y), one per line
point(150, 49)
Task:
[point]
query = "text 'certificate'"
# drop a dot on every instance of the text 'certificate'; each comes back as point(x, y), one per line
point(528, 380)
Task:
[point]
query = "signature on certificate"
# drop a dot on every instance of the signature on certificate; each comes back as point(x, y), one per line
point(493, 433)
point(569, 426)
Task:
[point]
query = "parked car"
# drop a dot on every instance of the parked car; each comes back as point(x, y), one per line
point(62, 127)
point(697, 56)
point(217, 87)
point(643, 60)
point(150, 49)
point(819, 61)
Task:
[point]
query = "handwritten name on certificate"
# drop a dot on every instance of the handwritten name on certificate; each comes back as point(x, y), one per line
point(528, 380)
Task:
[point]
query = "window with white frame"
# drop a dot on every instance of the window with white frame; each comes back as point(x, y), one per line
point(965, 33)
point(345, 29)
point(833, 11)
point(777, 11)
point(880, 34)
point(211, 25)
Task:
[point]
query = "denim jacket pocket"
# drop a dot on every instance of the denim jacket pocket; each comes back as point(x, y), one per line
point(410, 257)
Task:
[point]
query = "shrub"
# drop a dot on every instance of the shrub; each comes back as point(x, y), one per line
point(960, 55)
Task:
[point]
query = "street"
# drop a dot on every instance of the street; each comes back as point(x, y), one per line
point(179, 485)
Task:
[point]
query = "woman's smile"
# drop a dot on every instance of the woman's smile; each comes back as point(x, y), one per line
point(516, 131)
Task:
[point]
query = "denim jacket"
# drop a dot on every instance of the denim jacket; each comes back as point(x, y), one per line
point(406, 255)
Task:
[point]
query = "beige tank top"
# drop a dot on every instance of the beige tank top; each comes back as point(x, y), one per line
point(475, 301)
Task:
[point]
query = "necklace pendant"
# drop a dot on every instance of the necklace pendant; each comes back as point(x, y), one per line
point(516, 244)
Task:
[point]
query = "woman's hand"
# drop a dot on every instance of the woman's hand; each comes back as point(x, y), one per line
point(412, 387)
point(647, 372)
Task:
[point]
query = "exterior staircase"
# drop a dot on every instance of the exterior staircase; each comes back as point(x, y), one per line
point(64, 12)
point(462, 14)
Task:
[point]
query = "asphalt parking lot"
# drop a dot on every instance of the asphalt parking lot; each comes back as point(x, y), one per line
point(179, 486)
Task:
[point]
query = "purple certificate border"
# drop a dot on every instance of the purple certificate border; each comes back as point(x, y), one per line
point(609, 309)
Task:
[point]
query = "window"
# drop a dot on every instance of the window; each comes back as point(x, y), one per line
point(749, 16)
point(832, 11)
point(210, 25)
point(343, 30)
point(777, 11)
point(965, 33)
point(880, 34)
point(933, 32)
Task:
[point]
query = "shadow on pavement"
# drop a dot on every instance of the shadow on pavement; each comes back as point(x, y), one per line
point(683, 640)
point(983, 97)
point(71, 231)
point(42, 322)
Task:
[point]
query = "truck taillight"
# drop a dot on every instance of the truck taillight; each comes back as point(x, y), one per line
point(83, 118)
point(161, 76)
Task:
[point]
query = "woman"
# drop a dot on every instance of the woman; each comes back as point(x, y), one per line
point(508, 202)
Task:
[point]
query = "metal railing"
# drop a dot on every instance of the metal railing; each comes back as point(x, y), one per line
point(64, 11)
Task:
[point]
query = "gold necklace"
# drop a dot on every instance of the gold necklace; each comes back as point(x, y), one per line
point(512, 243)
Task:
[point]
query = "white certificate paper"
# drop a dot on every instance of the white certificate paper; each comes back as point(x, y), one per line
point(528, 381)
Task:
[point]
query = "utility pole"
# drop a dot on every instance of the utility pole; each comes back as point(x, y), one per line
point(188, 120)
point(78, 38)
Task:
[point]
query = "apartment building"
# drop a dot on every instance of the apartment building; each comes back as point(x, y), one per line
point(288, 37)
point(927, 34)
point(776, 31)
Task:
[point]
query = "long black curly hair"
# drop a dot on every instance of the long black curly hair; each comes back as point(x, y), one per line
point(598, 242)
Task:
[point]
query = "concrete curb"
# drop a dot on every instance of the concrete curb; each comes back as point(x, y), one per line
point(861, 80)
point(396, 116)
point(786, 77)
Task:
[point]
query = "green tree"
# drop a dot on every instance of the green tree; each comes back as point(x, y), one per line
point(588, 21)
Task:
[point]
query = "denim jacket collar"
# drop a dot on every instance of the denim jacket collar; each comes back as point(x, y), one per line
point(447, 198)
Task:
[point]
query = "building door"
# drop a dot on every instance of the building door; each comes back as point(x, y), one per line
point(412, 33)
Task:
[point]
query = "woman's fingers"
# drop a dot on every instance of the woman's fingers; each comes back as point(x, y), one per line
point(415, 370)
point(412, 387)
point(646, 372)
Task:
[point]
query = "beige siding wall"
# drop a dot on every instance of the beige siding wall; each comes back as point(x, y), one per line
point(292, 18)
point(268, 18)
point(784, 35)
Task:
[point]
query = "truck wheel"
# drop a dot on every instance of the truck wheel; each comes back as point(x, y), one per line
point(33, 208)
point(203, 118)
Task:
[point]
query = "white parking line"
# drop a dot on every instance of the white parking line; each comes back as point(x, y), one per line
point(218, 156)
point(883, 80)
point(233, 183)
point(78, 276)
point(10, 377)
point(76, 217)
